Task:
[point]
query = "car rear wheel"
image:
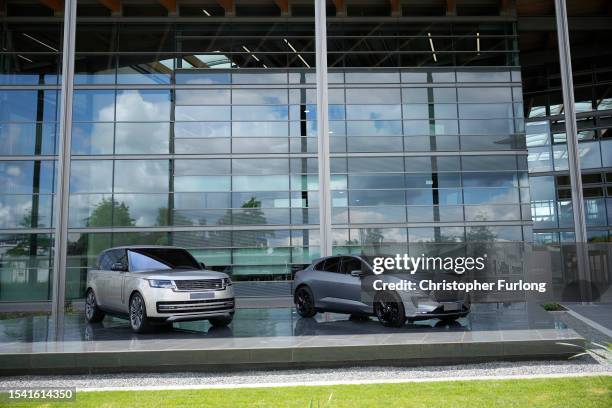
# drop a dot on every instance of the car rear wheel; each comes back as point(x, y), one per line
point(304, 302)
point(221, 321)
point(138, 314)
point(93, 314)
point(389, 310)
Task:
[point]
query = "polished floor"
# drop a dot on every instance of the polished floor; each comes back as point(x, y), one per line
point(275, 322)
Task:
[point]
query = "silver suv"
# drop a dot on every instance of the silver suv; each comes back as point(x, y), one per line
point(162, 284)
point(343, 284)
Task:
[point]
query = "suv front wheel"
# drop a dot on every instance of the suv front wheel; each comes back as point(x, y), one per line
point(138, 314)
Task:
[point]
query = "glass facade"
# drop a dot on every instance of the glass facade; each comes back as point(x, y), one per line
point(546, 139)
point(30, 56)
point(200, 131)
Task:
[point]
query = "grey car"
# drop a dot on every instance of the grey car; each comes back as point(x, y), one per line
point(342, 284)
point(149, 284)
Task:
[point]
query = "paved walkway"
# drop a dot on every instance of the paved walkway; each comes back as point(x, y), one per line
point(596, 315)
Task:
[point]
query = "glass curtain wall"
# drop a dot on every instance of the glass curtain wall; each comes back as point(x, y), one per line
point(197, 135)
point(545, 127)
point(30, 75)
point(427, 136)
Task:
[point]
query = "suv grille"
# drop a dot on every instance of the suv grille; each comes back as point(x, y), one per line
point(208, 284)
point(196, 306)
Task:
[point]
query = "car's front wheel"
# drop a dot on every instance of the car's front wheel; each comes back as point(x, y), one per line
point(221, 321)
point(93, 314)
point(389, 310)
point(304, 302)
point(138, 314)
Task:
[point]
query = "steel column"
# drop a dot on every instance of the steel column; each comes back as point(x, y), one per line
point(571, 132)
point(323, 128)
point(62, 191)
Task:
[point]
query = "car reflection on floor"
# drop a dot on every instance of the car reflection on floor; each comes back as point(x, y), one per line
point(287, 325)
point(269, 322)
point(311, 326)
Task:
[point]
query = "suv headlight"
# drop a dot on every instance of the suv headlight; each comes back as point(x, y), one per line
point(227, 282)
point(157, 283)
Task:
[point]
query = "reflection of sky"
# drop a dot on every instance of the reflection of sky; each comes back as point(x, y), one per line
point(16, 177)
point(20, 138)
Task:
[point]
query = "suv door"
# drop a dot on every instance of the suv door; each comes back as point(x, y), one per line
point(115, 287)
point(103, 277)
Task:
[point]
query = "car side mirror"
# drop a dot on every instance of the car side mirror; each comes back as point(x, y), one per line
point(203, 265)
point(358, 273)
point(118, 267)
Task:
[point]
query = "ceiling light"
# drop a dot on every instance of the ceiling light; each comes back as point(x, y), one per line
point(24, 58)
point(478, 43)
point(40, 42)
point(206, 12)
point(431, 45)
point(295, 51)
point(252, 55)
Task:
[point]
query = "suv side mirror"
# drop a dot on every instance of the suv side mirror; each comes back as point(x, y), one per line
point(203, 265)
point(118, 267)
point(358, 273)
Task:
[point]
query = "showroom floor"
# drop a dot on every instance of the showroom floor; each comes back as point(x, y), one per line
point(269, 322)
point(268, 338)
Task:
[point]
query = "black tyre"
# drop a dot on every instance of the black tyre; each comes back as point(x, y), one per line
point(304, 302)
point(221, 321)
point(138, 314)
point(389, 310)
point(93, 314)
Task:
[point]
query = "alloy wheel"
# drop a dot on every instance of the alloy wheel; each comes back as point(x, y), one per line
point(90, 304)
point(136, 311)
point(389, 312)
point(304, 302)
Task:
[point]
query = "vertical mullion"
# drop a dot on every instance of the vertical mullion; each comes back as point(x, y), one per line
point(63, 186)
point(572, 149)
point(323, 128)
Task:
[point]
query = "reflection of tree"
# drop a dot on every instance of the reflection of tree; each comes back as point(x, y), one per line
point(480, 234)
point(371, 238)
point(28, 244)
point(110, 212)
point(249, 214)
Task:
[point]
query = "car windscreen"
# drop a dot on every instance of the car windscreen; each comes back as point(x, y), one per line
point(148, 259)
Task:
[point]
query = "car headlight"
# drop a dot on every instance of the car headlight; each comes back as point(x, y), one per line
point(227, 282)
point(157, 283)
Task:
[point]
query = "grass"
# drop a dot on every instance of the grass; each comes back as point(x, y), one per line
point(554, 392)
point(553, 307)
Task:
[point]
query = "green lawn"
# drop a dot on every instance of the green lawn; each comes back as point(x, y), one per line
point(558, 392)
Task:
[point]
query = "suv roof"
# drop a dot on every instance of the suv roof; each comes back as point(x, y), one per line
point(143, 247)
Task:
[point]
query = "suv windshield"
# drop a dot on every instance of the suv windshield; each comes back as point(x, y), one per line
point(147, 259)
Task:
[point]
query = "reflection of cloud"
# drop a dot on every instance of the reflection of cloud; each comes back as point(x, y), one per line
point(202, 129)
point(375, 128)
point(144, 209)
point(143, 106)
point(13, 171)
point(134, 138)
point(259, 97)
point(375, 215)
point(13, 210)
point(141, 176)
